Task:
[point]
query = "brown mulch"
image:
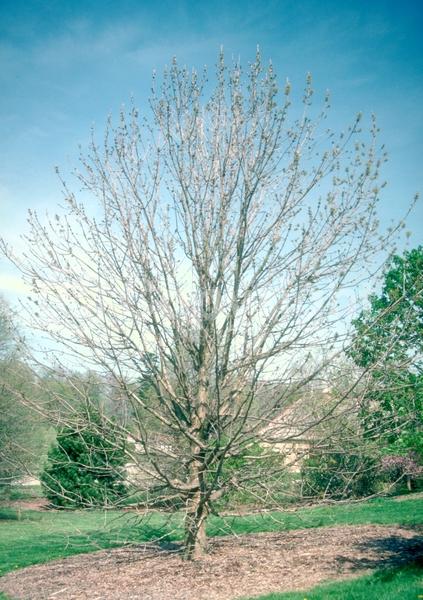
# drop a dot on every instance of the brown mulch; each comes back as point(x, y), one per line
point(247, 565)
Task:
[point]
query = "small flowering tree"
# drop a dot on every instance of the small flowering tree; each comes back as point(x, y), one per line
point(397, 468)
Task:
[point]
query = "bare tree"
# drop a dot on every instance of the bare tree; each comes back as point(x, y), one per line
point(216, 257)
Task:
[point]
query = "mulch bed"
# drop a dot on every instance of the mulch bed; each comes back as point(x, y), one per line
point(248, 565)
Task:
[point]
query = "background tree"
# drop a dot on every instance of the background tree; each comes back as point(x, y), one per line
point(222, 241)
point(85, 466)
point(389, 339)
point(382, 444)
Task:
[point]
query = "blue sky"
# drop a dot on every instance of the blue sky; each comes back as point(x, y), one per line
point(65, 65)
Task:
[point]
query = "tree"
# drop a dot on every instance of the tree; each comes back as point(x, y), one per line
point(84, 468)
point(389, 339)
point(391, 329)
point(217, 255)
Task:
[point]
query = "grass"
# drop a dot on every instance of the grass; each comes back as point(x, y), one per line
point(404, 583)
point(382, 511)
point(28, 537)
point(36, 537)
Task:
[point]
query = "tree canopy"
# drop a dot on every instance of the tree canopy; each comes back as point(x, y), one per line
point(389, 338)
point(391, 329)
point(216, 250)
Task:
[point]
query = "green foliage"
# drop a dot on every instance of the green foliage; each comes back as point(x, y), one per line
point(85, 467)
point(393, 407)
point(339, 474)
point(389, 342)
point(392, 328)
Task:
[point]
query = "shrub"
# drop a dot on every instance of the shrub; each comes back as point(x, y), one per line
point(85, 468)
point(338, 474)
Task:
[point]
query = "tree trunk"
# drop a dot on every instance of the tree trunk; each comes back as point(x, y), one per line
point(195, 529)
point(197, 508)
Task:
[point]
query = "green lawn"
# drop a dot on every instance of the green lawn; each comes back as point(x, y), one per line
point(382, 511)
point(32, 537)
point(395, 584)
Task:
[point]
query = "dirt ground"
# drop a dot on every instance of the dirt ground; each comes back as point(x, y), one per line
point(236, 567)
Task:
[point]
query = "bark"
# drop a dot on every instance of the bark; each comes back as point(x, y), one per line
point(195, 529)
point(197, 510)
